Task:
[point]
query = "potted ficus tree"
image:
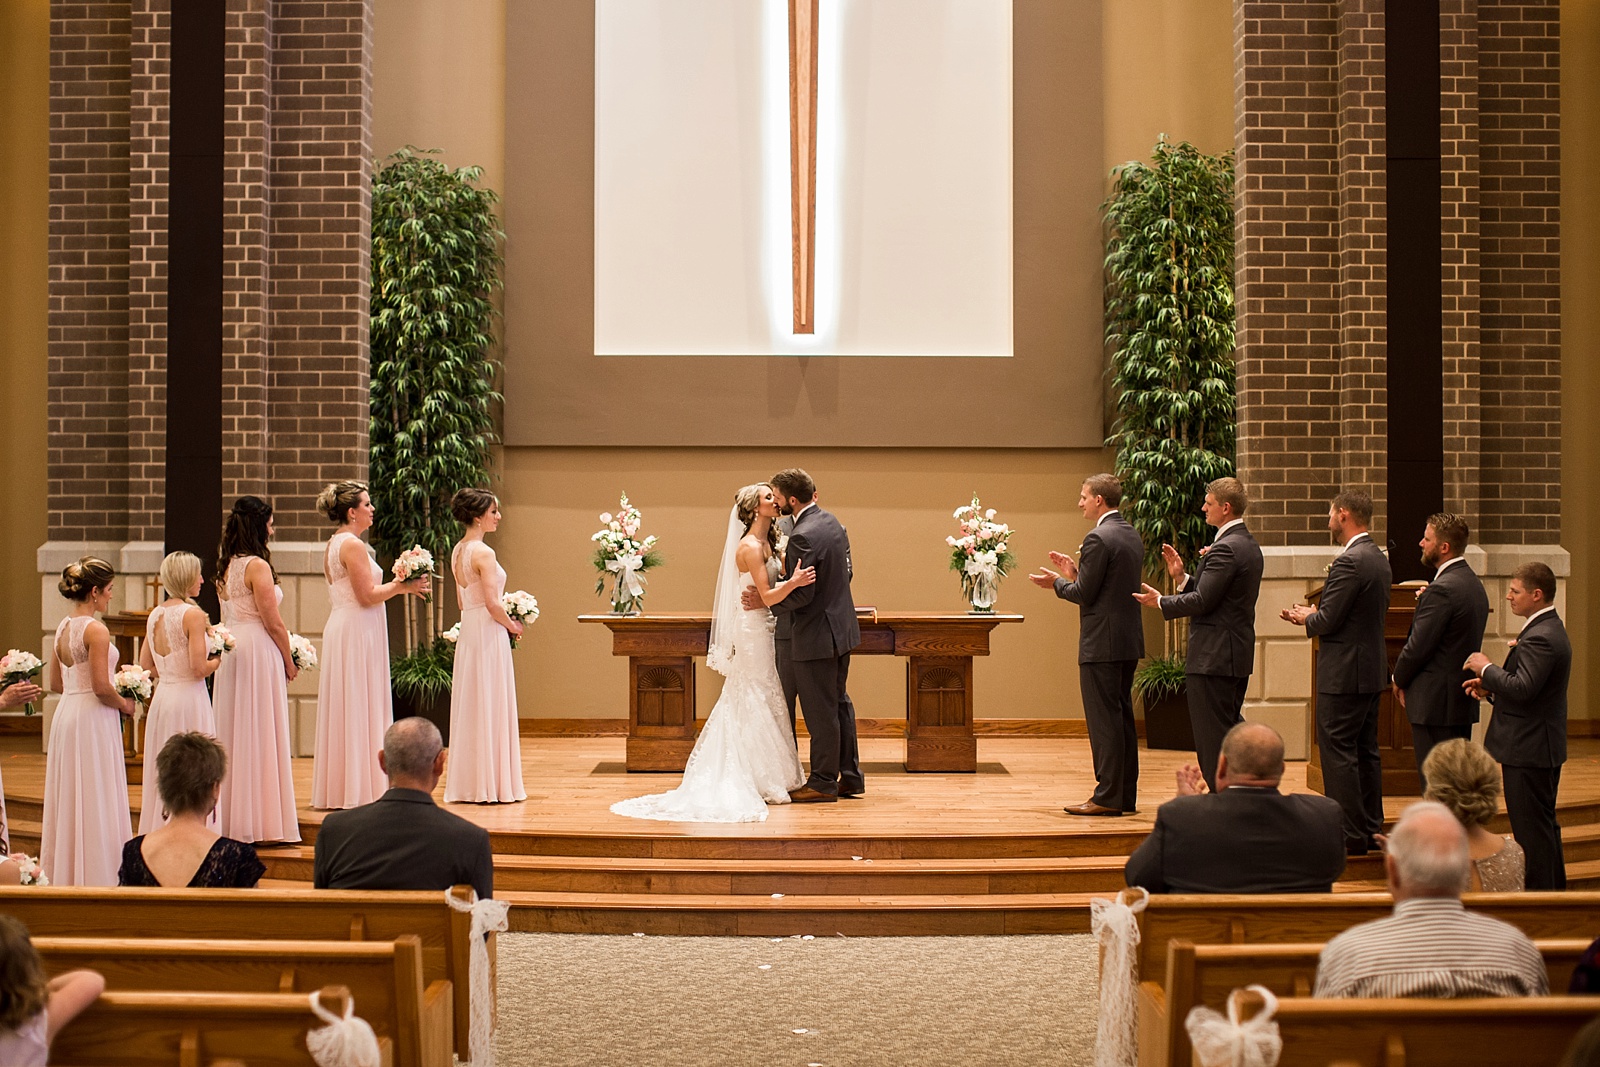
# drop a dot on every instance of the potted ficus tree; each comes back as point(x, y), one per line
point(1170, 332)
point(435, 267)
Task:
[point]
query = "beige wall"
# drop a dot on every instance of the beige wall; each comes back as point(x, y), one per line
point(1169, 69)
point(24, 276)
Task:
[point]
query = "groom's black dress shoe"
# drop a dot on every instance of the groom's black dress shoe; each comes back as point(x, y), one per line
point(849, 792)
point(806, 795)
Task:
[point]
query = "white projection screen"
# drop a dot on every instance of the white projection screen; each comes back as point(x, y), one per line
point(692, 241)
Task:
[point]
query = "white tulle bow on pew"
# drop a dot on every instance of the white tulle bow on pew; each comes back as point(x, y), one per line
point(488, 916)
point(344, 1042)
point(1227, 1042)
point(1115, 925)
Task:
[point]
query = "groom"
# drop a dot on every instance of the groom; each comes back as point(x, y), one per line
point(819, 620)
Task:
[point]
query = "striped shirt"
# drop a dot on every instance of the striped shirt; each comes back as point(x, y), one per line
point(1431, 947)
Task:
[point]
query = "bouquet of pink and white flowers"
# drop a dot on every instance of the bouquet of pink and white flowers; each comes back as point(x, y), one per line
point(414, 562)
point(134, 682)
point(303, 652)
point(522, 606)
point(32, 874)
point(622, 553)
point(981, 555)
point(19, 666)
point(220, 640)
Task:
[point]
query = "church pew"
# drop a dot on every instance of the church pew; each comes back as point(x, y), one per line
point(1207, 919)
point(1206, 974)
point(1419, 1032)
point(193, 1029)
point(266, 914)
point(384, 977)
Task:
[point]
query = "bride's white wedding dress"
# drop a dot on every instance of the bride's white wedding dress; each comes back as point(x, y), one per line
point(745, 756)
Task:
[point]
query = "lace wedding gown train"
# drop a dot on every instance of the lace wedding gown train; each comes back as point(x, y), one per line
point(745, 756)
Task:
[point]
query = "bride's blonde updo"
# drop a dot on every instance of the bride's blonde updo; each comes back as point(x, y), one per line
point(746, 503)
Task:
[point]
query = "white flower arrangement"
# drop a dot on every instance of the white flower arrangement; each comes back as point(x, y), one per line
point(453, 634)
point(220, 640)
point(522, 606)
point(20, 666)
point(303, 652)
point(32, 873)
point(981, 555)
point(415, 562)
point(134, 682)
point(622, 553)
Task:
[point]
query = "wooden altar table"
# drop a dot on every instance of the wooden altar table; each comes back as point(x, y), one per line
point(938, 648)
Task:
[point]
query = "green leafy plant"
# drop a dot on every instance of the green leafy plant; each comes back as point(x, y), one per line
point(1170, 331)
point(1159, 677)
point(424, 673)
point(435, 266)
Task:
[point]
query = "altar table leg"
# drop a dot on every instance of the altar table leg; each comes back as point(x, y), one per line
point(661, 727)
point(939, 714)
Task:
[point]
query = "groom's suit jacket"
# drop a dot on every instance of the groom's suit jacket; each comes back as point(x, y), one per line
point(820, 617)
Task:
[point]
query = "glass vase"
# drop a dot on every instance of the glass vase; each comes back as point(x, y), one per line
point(981, 592)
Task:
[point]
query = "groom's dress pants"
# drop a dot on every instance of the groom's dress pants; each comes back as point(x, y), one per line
point(831, 718)
point(782, 653)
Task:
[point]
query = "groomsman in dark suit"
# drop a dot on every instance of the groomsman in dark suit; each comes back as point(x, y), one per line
point(1219, 599)
point(1352, 668)
point(1110, 640)
point(1528, 727)
point(1448, 626)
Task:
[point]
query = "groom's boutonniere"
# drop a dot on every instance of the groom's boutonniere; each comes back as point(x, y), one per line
point(782, 545)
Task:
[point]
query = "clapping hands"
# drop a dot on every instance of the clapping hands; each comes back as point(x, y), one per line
point(1191, 783)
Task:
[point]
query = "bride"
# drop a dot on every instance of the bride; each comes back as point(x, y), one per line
point(745, 756)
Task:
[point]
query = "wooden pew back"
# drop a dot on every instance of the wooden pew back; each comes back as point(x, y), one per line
point(384, 978)
point(189, 1029)
point(263, 914)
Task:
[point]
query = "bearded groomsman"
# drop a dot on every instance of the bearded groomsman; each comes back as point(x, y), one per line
point(1448, 626)
point(1528, 727)
point(1219, 599)
point(1352, 668)
point(1110, 640)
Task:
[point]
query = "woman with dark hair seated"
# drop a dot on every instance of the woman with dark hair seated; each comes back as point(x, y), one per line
point(187, 852)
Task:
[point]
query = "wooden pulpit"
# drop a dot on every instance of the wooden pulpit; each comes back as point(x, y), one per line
point(1394, 729)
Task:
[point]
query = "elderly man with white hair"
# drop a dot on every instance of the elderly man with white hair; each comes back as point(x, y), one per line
point(1431, 946)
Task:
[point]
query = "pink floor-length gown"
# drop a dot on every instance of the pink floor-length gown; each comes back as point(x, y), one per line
point(251, 696)
point(354, 706)
point(180, 705)
point(485, 764)
point(86, 819)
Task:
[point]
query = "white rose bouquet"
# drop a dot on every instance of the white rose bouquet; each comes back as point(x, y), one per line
point(453, 634)
point(981, 555)
point(134, 682)
point(414, 562)
point(623, 554)
point(521, 606)
point(304, 653)
point(32, 874)
point(219, 640)
point(19, 666)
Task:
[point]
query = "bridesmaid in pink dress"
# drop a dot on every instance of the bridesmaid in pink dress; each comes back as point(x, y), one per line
point(353, 701)
point(485, 752)
point(86, 818)
point(251, 695)
point(175, 652)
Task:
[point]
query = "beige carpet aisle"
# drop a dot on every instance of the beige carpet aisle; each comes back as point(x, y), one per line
point(590, 1001)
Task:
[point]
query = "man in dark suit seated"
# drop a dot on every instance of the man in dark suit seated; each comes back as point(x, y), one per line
point(1248, 837)
point(403, 840)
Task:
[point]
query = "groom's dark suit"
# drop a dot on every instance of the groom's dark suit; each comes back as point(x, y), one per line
point(819, 621)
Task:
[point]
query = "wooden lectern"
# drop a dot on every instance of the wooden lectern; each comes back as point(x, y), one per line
point(1394, 729)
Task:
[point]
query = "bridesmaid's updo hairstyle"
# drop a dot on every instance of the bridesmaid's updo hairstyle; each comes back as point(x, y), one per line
point(80, 579)
point(245, 534)
point(188, 768)
point(178, 573)
point(338, 499)
point(468, 504)
point(747, 502)
point(24, 989)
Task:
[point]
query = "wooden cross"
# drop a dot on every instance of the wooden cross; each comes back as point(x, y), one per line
point(803, 158)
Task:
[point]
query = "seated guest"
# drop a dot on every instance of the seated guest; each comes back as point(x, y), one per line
point(186, 851)
point(1248, 838)
point(403, 840)
point(1431, 946)
point(33, 1008)
point(1463, 777)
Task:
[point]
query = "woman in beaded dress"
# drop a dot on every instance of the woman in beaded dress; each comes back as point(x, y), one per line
point(1463, 777)
point(175, 652)
point(251, 695)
